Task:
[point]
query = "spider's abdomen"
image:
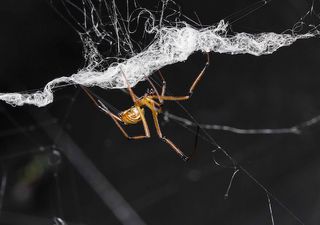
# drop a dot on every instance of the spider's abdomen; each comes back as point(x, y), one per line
point(131, 116)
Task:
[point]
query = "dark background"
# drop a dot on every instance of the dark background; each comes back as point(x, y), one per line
point(274, 91)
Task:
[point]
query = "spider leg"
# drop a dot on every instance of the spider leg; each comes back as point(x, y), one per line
point(133, 96)
point(100, 105)
point(155, 89)
point(145, 125)
point(193, 86)
point(164, 84)
point(116, 118)
point(174, 98)
point(166, 140)
point(196, 81)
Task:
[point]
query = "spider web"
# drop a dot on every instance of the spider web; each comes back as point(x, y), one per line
point(122, 51)
point(172, 42)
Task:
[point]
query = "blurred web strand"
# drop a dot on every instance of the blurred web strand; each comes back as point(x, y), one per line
point(270, 209)
point(226, 195)
point(172, 42)
point(296, 129)
point(3, 186)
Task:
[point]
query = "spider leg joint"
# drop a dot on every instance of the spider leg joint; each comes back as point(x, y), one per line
point(185, 158)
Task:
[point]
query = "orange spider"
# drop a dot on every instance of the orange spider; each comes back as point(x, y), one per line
point(135, 114)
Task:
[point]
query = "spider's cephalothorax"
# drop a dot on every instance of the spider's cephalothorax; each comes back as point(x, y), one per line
point(151, 100)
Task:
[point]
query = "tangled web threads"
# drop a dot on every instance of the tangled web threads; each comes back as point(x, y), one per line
point(170, 45)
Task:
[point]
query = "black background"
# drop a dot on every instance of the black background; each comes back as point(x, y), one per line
point(274, 91)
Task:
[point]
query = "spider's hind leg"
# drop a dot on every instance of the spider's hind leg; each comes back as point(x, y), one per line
point(175, 148)
point(166, 140)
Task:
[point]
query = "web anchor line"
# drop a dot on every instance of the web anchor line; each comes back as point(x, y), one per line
point(238, 166)
point(296, 129)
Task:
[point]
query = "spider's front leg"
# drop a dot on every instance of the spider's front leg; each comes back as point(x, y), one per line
point(164, 97)
point(200, 75)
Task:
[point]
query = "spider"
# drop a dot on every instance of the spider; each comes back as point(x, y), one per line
point(151, 100)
